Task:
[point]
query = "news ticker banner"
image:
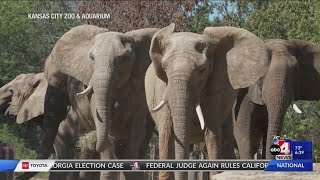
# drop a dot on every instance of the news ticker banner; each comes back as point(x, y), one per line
point(293, 155)
point(152, 165)
point(289, 156)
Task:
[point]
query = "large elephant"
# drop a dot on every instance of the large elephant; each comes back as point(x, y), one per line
point(194, 78)
point(23, 98)
point(112, 65)
point(294, 74)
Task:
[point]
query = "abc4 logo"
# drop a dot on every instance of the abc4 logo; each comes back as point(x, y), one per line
point(283, 148)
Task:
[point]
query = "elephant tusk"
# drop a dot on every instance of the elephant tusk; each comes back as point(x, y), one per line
point(296, 109)
point(200, 116)
point(86, 91)
point(162, 102)
point(6, 112)
point(116, 104)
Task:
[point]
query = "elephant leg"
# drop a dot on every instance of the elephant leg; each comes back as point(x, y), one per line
point(105, 175)
point(218, 111)
point(56, 107)
point(259, 127)
point(166, 145)
point(228, 143)
point(136, 140)
point(83, 175)
point(243, 128)
point(64, 146)
point(150, 128)
point(264, 143)
point(136, 137)
point(86, 175)
point(220, 105)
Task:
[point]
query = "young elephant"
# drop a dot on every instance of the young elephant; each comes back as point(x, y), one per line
point(294, 74)
point(194, 78)
point(112, 65)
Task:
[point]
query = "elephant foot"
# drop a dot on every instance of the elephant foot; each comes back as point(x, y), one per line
point(166, 176)
point(213, 173)
point(135, 175)
point(89, 175)
point(26, 176)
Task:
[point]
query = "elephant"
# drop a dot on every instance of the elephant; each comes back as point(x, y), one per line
point(23, 98)
point(294, 74)
point(192, 84)
point(111, 67)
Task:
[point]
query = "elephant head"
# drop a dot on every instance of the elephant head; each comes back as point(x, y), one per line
point(294, 74)
point(106, 62)
point(24, 97)
point(190, 64)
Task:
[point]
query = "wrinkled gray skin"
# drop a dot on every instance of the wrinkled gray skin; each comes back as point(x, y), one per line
point(23, 98)
point(294, 74)
point(190, 69)
point(113, 66)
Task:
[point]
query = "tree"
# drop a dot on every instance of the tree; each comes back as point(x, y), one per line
point(200, 17)
point(285, 20)
point(130, 15)
point(26, 42)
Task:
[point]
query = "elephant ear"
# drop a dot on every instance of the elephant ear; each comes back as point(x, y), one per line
point(247, 57)
point(71, 52)
point(157, 50)
point(255, 92)
point(34, 105)
point(308, 58)
point(142, 39)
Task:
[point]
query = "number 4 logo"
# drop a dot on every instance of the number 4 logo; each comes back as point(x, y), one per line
point(285, 147)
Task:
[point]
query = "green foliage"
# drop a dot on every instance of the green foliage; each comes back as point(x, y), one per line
point(285, 19)
point(12, 134)
point(25, 43)
point(305, 126)
point(231, 12)
point(200, 19)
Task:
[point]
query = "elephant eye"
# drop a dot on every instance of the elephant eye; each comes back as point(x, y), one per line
point(202, 69)
point(91, 57)
point(200, 47)
point(125, 59)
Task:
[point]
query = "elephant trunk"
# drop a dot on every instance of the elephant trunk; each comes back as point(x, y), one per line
point(276, 114)
point(102, 87)
point(181, 106)
point(5, 96)
point(278, 97)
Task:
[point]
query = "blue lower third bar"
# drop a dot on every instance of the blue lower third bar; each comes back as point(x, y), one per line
point(290, 165)
point(8, 165)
